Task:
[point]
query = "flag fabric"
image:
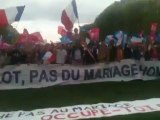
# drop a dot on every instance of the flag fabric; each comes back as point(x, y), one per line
point(65, 40)
point(136, 40)
point(119, 36)
point(10, 15)
point(87, 41)
point(124, 41)
point(62, 31)
point(110, 38)
point(141, 34)
point(4, 45)
point(36, 37)
point(69, 15)
point(94, 34)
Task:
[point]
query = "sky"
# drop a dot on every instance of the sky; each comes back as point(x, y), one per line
point(45, 15)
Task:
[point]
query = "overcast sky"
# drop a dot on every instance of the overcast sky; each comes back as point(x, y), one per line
point(45, 15)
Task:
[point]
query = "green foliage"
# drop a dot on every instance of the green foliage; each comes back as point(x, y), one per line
point(131, 16)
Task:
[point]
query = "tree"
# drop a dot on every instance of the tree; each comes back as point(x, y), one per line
point(131, 16)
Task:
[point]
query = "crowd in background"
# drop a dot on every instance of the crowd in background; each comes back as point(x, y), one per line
point(78, 52)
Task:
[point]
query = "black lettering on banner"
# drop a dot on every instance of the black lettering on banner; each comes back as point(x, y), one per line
point(7, 77)
point(134, 69)
point(9, 115)
point(103, 106)
point(151, 71)
point(143, 70)
point(125, 70)
point(158, 105)
point(21, 114)
point(64, 110)
point(43, 76)
point(111, 72)
point(65, 75)
point(53, 74)
point(2, 116)
point(40, 113)
point(106, 73)
point(33, 75)
point(116, 72)
point(77, 109)
point(89, 74)
point(17, 73)
point(115, 105)
point(54, 111)
point(30, 114)
point(157, 71)
point(75, 77)
point(87, 108)
point(98, 74)
point(95, 107)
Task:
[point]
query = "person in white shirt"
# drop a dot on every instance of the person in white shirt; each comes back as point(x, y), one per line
point(61, 55)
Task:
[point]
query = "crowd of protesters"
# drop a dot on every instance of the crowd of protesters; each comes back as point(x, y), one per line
point(75, 54)
point(78, 53)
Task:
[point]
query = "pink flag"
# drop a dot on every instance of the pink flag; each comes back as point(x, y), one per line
point(4, 45)
point(36, 37)
point(62, 31)
point(94, 34)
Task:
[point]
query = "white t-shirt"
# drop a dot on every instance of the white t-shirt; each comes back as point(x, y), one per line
point(77, 54)
point(61, 56)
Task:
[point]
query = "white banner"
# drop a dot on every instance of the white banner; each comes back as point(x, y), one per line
point(85, 111)
point(37, 76)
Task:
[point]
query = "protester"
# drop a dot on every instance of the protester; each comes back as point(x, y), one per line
point(88, 57)
point(2, 58)
point(136, 53)
point(103, 52)
point(69, 49)
point(61, 54)
point(77, 55)
point(16, 56)
point(154, 53)
point(81, 50)
point(120, 54)
point(112, 52)
point(127, 51)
